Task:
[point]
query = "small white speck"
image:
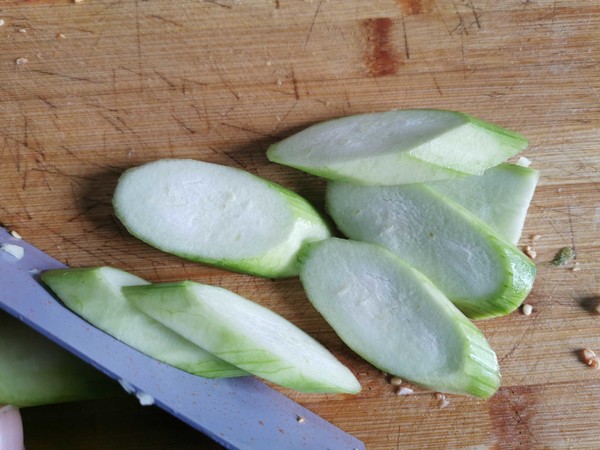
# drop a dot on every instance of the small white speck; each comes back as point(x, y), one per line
point(444, 402)
point(34, 271)
point(524, 162)
point(21, 61)
point(145, 399)
point(279, 82)
point(22, 30)
point(405, 391)
point(300, 419)
point(16, 251)
point(269, 63)
point(60, 36)
point(527, 309)
point(127, 386)
point(530, 251)
point(2, 22)
point(16, 235)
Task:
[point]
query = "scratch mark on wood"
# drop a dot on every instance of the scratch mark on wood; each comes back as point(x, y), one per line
point(165, 20)
point(247, 130)
point(46, 101)
point(474, 11)
point(182, 124)
point(227, 83)
point(437, 86)
point(166, 80)
point(571, 234)
point(442, 18)
point(203, 117)
point(138, 41)
point(229, 156)
point(114, 82)
point(295, 85)
point(114, 125)
point(284, 117)
point(25, 176)
point(406, 51)
point(68, 77)
point(381, 57)
point(312, 24)
point(460, 27)
point(214, 2)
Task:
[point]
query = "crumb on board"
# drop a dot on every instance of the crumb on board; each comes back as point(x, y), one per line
point(16, 235)
point(2, 22)
point(442, 400)
point(300, 419)
point(576, 267)
point(530, 252)
point(404, 391)
point(589, 358)
point(60, 36)
point(535, 237)
point(564, 256)
point(21, 61)
point(395, 381)
point(23, 30)
point(527, 309)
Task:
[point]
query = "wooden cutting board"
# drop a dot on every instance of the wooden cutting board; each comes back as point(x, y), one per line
point(90, 88)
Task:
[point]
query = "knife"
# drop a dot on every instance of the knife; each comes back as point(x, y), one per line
point(238, 413)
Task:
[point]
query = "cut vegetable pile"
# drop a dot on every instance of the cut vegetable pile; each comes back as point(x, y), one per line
point(432, 213)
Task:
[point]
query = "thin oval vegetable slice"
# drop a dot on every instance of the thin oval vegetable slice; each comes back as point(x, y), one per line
point(397, 319)
point(217, 215)
point(35, 371)
point(397, 147)
point(95, 294)
point(480, 272)
point(245, 334)
point(500, 197)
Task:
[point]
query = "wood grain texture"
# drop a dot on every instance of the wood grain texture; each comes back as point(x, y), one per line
point(112, 84)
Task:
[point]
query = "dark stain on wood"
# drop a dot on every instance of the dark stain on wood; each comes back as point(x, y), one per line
point(412, 7)
point(511, 410)
point(381, 57)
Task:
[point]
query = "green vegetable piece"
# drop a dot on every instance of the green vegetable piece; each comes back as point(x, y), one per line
point(398, 147)
point(500, 197)
point(217, 215)
point(245, 334)
point(35, 371)
point(481, 273)
point(395, 318)
point(95, 294)
point(564, 256)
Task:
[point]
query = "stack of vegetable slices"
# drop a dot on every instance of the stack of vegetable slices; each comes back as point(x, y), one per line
point(438, 212)
point(432, 213)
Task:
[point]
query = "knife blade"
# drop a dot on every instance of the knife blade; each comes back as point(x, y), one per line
point(238, 413)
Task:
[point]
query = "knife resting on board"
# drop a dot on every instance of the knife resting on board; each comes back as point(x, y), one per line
point(238, 413)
